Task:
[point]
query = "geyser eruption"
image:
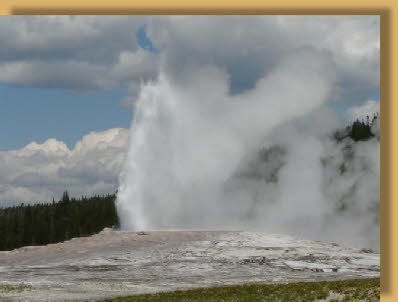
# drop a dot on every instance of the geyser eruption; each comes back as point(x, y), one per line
point(202, 158)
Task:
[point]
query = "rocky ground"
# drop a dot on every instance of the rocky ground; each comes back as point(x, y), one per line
point(112, 263)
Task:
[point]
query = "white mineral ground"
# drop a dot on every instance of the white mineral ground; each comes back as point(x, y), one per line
point(114, 263)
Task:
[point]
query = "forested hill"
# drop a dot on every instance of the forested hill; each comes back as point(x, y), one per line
point(41, 224)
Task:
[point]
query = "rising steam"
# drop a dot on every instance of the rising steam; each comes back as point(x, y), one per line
point(261, 160)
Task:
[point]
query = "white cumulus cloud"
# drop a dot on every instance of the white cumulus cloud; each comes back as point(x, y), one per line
point(369, 108)
point(39, 172)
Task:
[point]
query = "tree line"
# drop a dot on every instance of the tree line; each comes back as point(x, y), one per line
point(54, 222)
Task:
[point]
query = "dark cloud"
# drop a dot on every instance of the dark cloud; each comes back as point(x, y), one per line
point(88, 53)
point(91, 38)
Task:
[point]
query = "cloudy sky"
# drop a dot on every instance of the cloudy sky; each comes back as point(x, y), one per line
point(68, 83)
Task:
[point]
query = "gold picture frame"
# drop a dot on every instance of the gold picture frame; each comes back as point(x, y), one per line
point(387, 10)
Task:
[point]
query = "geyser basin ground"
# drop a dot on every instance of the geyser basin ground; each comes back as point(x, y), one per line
point(113, 264)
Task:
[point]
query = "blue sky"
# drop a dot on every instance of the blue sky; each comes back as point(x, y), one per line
point(144, 41)
point(36, 114)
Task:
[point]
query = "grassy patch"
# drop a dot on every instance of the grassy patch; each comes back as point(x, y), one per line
point(351, 290)
point(14, 288)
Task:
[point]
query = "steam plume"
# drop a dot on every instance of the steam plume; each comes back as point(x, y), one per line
point(202, 158)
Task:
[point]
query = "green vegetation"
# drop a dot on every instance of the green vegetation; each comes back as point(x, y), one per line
point(343, 290)
point(358, 131)
point(14, 288)
point(41, 224)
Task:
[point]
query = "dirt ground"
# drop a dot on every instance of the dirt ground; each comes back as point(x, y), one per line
point(114, 263)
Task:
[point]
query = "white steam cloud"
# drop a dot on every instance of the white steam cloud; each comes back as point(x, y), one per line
point(363, 111)
point(261, 160)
